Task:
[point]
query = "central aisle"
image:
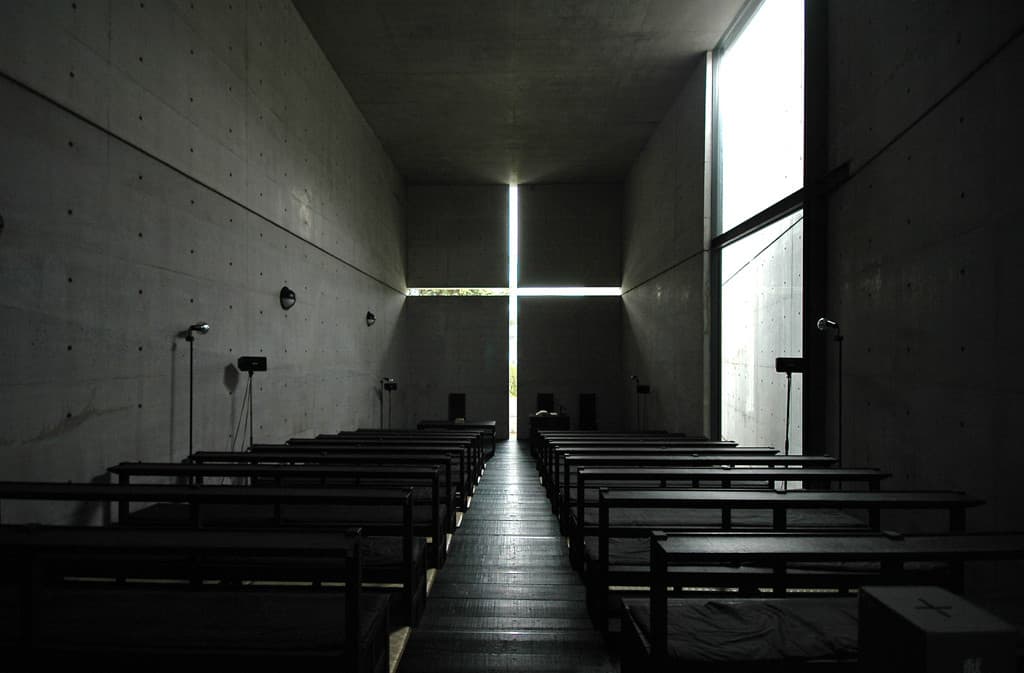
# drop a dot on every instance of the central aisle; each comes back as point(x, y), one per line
point(507, 599)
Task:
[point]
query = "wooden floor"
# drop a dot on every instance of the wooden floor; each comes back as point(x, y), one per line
point(507, 600)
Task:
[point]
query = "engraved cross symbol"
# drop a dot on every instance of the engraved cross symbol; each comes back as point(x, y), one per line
point(941, 609)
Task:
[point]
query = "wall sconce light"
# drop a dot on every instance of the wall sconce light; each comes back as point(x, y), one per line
point(370, 318)
point(287, 297)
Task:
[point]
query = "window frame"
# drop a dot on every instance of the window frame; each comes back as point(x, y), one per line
point(815, 159)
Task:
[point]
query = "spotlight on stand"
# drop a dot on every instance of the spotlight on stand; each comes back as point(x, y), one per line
point(390, 385)
point(251, 364)
point(287, 297)
point(789, 366)
point(202, 328)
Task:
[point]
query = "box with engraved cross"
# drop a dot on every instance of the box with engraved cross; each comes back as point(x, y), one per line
point(919, 629)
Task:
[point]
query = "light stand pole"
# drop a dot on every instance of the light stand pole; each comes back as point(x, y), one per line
point(635, 379)
point(251, 364)
point(823, 325)
point(251, 442)
point(641, 389)
point(202, 328)
point(390, 385)
point(839, 419)
point(789, 366)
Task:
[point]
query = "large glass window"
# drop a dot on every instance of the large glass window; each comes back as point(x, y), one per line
point(759, 113)
point(760, 84)
point(762, 318)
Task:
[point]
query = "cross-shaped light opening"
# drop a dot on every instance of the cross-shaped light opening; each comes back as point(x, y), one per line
point(513, 292)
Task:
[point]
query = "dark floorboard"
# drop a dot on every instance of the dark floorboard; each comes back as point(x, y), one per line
point(507, 599)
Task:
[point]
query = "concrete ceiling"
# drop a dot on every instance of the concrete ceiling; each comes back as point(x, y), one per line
point(519, 91)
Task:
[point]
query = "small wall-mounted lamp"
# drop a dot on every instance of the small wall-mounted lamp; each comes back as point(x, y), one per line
point(370, 318)
point(287, 297)
point(201, 327)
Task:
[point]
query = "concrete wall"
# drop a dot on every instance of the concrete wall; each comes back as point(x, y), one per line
point(455, 345)
point(762, 319)
point(570, 235)
point(568, 346)
point(664, 272)
point(166, 163)
point(458, 235)
point(925, 240)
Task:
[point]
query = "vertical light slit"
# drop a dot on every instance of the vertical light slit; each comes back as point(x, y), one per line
point(513, 306)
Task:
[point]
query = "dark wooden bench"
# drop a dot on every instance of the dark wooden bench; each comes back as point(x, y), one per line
point(546, 462)
point(431, 524)
point(467, 474)
point(447, 462)
point(391, 552)
point(636, 513)
point(554, 471)
point(544, 436)
point(192, 600)
point(561, 475)
point(487, 428)
point(573, 509)
point(570, 462)
point(645, 628)
point(480, 441)
point(473, 442)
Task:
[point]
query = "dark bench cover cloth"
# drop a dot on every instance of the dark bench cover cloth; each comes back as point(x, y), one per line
point(756, 630)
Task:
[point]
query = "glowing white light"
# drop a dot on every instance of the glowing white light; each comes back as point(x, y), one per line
point(513, 306)
point(569, 292)
point(760, 111)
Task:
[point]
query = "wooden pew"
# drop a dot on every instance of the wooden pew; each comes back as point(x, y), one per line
point(574, 510)
point(537, 439)
point(646, 632)
point(432, 527)
point(266, 508)
point(481, 441)
point(552, 465)
point(546, 461)
point(463, 455)
point(185, 620)
point(447, 462)
point(468, 474)
point(569, 462)
point(487, 428)
point(640, 458)
point(479, 432)
point(639, 512)
point(471, 440)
